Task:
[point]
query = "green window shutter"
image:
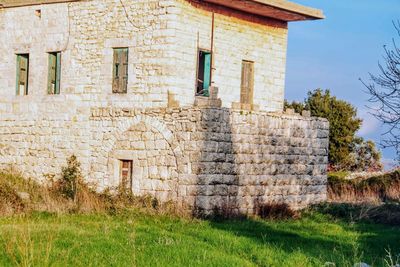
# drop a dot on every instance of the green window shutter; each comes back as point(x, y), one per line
point(207, 71)
point(116, 70)
point(18, 76)
point(120, 71)
point(53, 84)
point(58, 73)
point(22, 74)
point(124, 70)
point(203, 73)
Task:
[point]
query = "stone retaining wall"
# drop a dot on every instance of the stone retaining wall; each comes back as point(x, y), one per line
point(212, 157)
point(204, 158)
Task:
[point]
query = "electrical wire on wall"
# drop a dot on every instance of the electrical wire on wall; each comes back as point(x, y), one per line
point(131, 21)
point(65, 47)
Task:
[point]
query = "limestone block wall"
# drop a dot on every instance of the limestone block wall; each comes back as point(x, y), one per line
point(163, 37)
point(200, 158)
point(86, 33)
point(237, 37)
point(203, 158)
point(214, 158)
point(39, 131)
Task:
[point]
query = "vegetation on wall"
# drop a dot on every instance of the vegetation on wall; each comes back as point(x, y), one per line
point(346, 150)
point(376, 189)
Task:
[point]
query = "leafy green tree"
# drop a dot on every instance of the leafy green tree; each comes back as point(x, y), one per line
point(344, 124)
point(298, 107)
point(365, 157)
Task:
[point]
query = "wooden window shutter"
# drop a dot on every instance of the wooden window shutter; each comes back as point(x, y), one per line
point(120, 71)
point(247, 86)
point(207, 71)
point(203, 73)
point(54, 75)
point(58, 73)
point(22, 74)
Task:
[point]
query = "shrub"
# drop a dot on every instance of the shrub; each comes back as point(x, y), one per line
point(71, 178)
point(10, 201)
point(17, 193)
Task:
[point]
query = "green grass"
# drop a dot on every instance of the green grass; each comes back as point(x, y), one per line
point(338, 174)
point(137, 239)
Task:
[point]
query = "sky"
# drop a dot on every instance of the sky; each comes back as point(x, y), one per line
point(336, 52)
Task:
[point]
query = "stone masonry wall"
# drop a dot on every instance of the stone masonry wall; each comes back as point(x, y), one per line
point(211, 158)
point(86, 33)
point(39, 131)
point(236, 37)
point(204, 158)
point(163, 37)
point(199, 157)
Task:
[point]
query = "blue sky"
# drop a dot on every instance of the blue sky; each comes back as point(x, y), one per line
point(334, 53)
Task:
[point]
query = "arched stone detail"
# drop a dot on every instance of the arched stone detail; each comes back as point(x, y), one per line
point(152, 127)
point(125, 125)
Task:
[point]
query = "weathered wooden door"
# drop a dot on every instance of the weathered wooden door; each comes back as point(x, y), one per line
point(247, 86)
point(120, 70)
point(126, 175)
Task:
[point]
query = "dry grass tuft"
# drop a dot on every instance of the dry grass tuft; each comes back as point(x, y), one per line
point(71, 194)
point(276, 211)
point(378, 189)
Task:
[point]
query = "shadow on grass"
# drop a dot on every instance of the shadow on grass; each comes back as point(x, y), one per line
point(349, 244)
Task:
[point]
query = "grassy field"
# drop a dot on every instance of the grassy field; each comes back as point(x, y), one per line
point(133, 238)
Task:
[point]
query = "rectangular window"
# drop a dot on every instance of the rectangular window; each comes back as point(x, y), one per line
point(22, 74)
point(247, 86)
point(126, 174)
point(203, 73)
point(120, 71)
point(53, 83)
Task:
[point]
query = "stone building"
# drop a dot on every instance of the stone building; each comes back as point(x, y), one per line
point(180, 99)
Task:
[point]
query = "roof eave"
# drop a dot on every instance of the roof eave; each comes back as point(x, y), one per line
point(20, 3)
point(277, 9)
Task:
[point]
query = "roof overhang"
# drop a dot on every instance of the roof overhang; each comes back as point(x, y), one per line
point(17, 3)
point(278, 9)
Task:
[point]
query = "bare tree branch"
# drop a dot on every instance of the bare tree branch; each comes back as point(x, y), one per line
point(384, 90)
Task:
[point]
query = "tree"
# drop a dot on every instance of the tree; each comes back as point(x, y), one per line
point(384, 91)
point(365, 157)
point(344, 145)
point(298, 107)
